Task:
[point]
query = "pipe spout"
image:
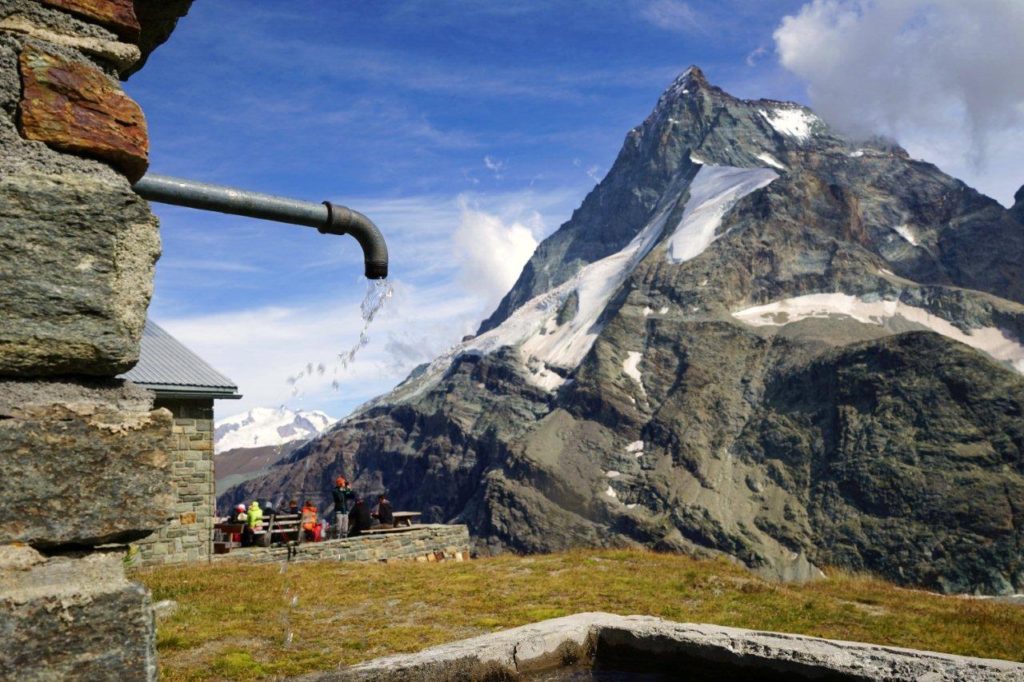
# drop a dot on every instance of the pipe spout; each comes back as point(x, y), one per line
point(328, 218)
point(343, 220)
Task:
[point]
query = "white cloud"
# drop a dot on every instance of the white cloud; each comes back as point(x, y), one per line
point(672, 15)
point(492, 250)
point(943, 77)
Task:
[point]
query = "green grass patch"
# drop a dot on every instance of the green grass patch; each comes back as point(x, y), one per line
point(233, 620)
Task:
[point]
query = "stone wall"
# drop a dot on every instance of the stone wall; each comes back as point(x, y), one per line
point(429, 542)
point(189, 535)
point(84, 465)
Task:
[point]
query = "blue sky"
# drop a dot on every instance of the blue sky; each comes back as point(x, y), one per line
point(467, 130)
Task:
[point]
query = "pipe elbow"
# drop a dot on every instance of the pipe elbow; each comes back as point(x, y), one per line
point(343, 220)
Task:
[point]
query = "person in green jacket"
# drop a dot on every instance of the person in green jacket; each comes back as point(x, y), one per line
point(254, 521)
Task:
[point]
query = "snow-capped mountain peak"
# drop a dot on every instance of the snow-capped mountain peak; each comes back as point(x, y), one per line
point(262, 426)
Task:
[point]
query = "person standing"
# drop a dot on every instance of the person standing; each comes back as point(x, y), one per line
point(341, 494)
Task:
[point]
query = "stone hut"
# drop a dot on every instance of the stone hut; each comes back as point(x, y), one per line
point(187, 386)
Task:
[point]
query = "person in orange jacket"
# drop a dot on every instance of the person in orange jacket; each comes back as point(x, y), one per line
point(310, 526)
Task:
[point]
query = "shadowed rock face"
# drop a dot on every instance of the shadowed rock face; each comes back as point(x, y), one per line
point(850, 434)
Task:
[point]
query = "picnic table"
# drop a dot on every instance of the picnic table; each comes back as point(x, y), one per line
point(406, 518)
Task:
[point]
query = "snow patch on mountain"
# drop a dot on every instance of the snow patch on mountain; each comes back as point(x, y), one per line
point(714, 191)
point(262, 426)
point(908, 234)
point(771, 160)
point(631, 366)
point(991, 340)
point(564, 346)
point(793, 122)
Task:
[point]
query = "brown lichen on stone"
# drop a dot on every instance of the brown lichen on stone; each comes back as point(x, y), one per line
point(76, 108)
point(119, 15)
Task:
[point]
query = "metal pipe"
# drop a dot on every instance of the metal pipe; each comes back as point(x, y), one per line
point(328, 218)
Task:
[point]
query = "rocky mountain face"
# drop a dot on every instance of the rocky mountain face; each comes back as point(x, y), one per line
point(754, 338)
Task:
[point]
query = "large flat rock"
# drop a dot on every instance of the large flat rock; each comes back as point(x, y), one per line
point(686, 650)
point(73, 617)
point(82, 465)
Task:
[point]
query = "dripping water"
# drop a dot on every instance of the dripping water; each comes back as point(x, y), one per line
point(378, 293)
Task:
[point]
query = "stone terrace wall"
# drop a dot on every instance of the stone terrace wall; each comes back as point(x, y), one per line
point(83, 456)
point(189, 535)
point(430, 542)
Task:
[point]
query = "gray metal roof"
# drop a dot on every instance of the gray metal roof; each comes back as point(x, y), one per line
point(167, 367)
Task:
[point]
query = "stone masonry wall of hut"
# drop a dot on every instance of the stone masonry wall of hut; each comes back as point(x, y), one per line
point(189, 535)
point(84, 464)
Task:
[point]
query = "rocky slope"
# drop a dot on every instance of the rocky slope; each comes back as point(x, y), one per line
point(754, 338)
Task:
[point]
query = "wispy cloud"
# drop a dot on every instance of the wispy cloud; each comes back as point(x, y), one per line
point(194, 264)
point(495, 166)
point(756, 55)
point(673, 15)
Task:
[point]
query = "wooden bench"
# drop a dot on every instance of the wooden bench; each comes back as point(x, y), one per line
point(281, 528)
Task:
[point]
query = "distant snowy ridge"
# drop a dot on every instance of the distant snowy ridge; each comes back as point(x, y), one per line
point(263, 426)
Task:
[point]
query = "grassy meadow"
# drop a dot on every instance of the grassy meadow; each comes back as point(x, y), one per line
point(233, 620)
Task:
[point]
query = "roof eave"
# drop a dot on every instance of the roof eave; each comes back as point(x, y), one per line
point(198, 392)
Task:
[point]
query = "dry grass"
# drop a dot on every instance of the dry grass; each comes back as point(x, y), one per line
point(233, 619)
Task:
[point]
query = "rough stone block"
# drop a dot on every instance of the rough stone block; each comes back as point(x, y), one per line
point(74, 107)
point(117, 14)
point(73, 618)
point(79, 249)
point(99, 445)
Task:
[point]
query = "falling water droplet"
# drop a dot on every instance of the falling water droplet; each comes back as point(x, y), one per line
point(378, 292)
